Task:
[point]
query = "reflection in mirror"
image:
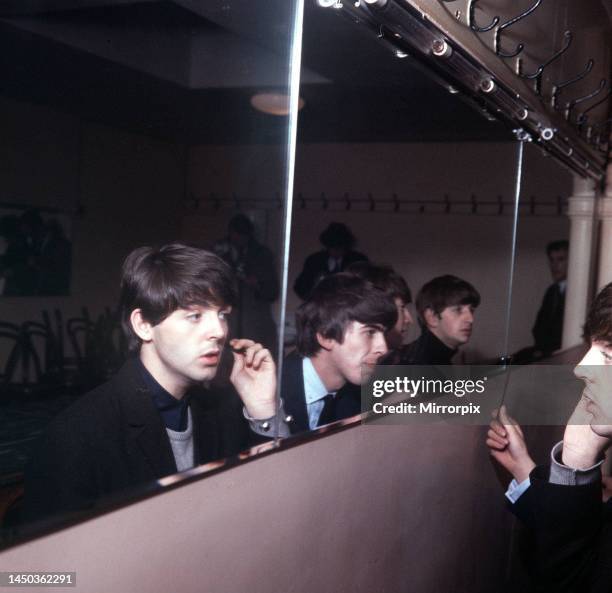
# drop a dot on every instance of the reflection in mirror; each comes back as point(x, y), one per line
point(374, 135)
point(552, 291)
point(542, 252)
point(131, 125)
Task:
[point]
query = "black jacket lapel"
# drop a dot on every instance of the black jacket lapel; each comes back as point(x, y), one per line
point(292, 392)
point(146, 433)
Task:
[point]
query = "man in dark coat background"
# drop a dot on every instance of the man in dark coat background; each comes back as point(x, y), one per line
point(548, 328)
point(337, 256)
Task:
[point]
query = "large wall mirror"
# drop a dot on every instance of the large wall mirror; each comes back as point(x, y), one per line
point(129, 124)
point(394, 168)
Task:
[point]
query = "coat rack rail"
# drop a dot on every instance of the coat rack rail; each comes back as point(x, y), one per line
point(461, 205)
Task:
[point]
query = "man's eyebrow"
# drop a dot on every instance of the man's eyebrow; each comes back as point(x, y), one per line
point(377, 326)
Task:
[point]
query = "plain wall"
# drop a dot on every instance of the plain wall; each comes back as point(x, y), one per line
point(118, 190)
point(477, 247)
point(369, 509)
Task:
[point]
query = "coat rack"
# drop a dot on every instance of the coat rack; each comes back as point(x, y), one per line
point(581, 120)
point(446, 38)
point(461, 206)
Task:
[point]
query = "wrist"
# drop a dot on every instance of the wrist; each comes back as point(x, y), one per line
point(261, 411)
point(522, 472)
point(579, 456)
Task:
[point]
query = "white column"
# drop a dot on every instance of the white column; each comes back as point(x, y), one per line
point(581, 208)
point(605, 244)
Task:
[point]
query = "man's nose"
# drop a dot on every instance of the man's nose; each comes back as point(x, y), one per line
point(408, 320)
point(380, 345)
point(468, 315)
point(213, 327)
point(583, 369)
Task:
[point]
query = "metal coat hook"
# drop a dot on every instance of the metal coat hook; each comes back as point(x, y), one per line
point(396, 203)
point(237, 202)
point(471, 6)
point(559, 205)
point(372, 202)
point(537, 75)
point(500, 205)
point(582, 117)
point(605, 132)
point(347, 202)
point(571, 104)
point(532, 204)
point(502, 27)
point(325, 201)
point(559, 87)
point(474, 204)
point(302, 201)
point(569, 151)
point(279, 201)
point(447, 204)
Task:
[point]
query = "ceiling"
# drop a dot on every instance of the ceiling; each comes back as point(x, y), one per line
point(186, 70)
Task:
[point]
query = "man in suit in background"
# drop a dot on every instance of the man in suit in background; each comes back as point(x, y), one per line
point(341, 331)
point(254, 268)
point(548, 328)
point(338, 254)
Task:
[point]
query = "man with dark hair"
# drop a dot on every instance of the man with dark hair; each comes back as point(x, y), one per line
point(445, 307)
point(253, 265)
point(154, 418)
point(562, 502)
point(548, 328)
point(385, 278)
point(340, 338)
point(338, 254)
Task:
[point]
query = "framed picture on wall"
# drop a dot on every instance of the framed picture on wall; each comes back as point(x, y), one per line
point(35, 252)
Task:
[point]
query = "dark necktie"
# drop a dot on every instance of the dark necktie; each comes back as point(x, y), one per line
point(556, 302)
point(328, 413)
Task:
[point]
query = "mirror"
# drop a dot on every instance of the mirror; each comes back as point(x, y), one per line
point(423, 183)
point(127, 124)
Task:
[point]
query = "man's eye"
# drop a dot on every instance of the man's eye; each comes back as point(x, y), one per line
point(224, 315)
point(194, 316)
point(607, 357)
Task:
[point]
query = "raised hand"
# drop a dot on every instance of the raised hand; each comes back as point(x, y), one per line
point(254, 377)
point(582, 446)
point(507, 446)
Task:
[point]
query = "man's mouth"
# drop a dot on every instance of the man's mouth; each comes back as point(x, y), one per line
point(369, 364)
point(211, 357)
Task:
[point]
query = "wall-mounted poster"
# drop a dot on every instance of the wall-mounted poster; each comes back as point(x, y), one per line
point(35, 253)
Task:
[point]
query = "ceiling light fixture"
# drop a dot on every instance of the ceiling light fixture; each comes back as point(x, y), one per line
point(273, 103)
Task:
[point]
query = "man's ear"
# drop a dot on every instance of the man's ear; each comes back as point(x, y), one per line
point(325, 343)
point(431, 319)
point(141, 327)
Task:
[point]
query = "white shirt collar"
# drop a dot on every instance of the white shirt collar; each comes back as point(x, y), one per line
point(314, 388)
